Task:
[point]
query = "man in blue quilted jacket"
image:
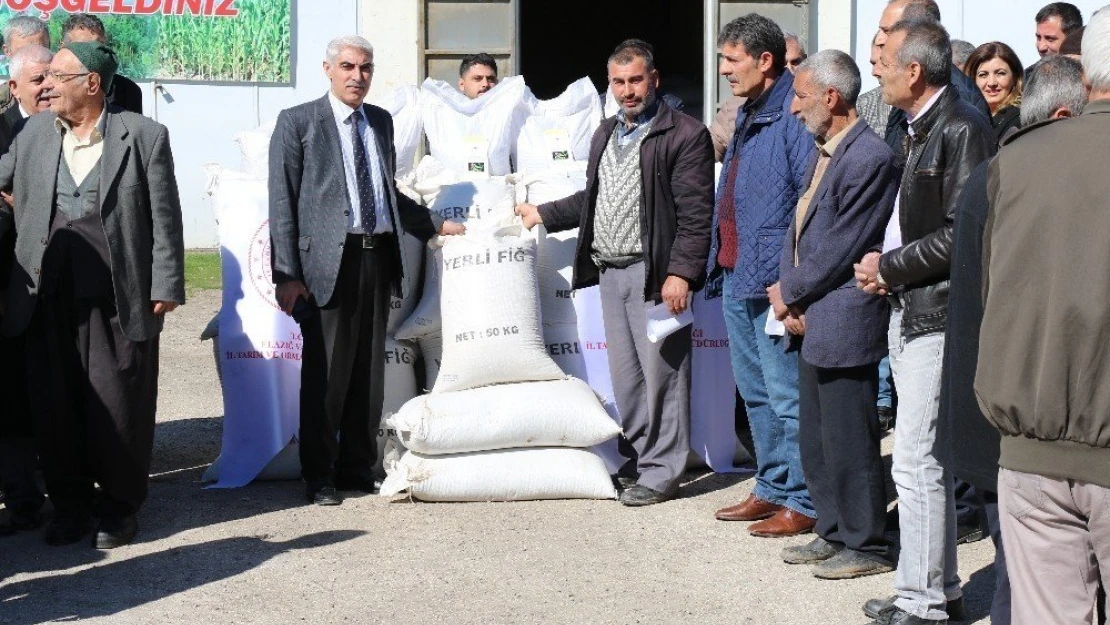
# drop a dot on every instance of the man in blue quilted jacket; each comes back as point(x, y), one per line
point(762, 179)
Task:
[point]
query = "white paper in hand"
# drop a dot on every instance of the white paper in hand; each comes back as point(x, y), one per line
point(661, 323)
point(774, 327)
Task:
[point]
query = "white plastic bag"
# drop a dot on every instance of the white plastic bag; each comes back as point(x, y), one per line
point(490, 312)
point(559, 131)
point(505, 475)
point(431, 348)
point(403, 104)
point(555, 251)
point(254, 148)
point(564, 413)
point(475, 137)
point(400, 388)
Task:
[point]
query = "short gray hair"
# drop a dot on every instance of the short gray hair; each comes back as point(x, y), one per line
point(789, 36)
point(1096, 50)
point(928, 45)
point(1057, 83)
point(25, 26)
point(336, 46)
point(28, 54)
point(960, 51)
point(834, 69)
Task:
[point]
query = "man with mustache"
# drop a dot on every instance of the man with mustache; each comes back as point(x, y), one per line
point(99, 263)
point(337, 225)
point(18, 457)
point(477, 74)
point(762, 180)
point(643, 235)
point(21, 30)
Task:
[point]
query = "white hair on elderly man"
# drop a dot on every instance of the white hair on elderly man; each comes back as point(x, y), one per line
point(1057, 84)
point(834, 69)
point(335, 46)
point(27, 55)
point(1096, 50)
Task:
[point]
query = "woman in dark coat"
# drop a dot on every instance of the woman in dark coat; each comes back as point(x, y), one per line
point(998, 73)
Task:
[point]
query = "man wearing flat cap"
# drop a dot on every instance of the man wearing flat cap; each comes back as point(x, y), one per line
point(99, 262)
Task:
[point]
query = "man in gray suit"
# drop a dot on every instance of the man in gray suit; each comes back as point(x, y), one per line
point(337, 225)
point(99, 261)
point(852, 182)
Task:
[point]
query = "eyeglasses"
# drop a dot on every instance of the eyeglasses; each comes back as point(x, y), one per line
point(64, 77)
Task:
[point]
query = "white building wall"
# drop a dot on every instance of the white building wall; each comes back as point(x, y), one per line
point(202, 119)
point(393, 27)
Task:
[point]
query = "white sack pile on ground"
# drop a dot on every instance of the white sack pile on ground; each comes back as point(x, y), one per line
point(500, 404)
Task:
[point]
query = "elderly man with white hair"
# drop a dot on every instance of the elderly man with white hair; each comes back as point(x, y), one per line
point(336, 220)
point(1042, 369)
point(851, 184)
point(20, 31)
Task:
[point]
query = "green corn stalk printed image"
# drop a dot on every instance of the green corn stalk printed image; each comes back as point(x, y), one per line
point(255, 46)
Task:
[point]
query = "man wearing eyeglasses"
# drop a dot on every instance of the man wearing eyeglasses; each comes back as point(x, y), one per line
point(99, 262)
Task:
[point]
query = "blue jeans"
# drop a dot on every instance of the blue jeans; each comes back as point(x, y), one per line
point(767, 376)
point(886, 384)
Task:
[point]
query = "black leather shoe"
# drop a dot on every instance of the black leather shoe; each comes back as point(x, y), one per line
point(322, 494)
point(640, 495)
point(887, 417)
point(624, 482)
point(875, 608)
point(816, 550)
point(968, 534)
point(21, 522)
point(67, 530)
point(357, 483)
point(898, 616)
point(116, 531)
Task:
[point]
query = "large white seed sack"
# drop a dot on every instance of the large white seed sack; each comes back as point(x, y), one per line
point(403, 104)
point(431, 348)
point(563, 413)
point(556, 251)
point(483, 205)
point(491, 313)
point(475, 137)
point(559, 131)
point(401, 308)
point(424, 319)
point(505, 475)
point(400, 388)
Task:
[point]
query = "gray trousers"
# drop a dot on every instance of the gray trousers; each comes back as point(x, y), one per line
point(651, 382)
point(1057, 537)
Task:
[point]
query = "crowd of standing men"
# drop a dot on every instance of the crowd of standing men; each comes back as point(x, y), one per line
point(856, 237)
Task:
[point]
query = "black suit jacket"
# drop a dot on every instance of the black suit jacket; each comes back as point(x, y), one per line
point(11, 122)
point(309, 202)
point(126, 94)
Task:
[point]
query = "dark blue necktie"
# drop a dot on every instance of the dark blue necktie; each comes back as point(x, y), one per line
point(367, 209)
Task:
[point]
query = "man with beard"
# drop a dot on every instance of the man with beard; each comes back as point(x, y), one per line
point(643, 224)
point(842, 214)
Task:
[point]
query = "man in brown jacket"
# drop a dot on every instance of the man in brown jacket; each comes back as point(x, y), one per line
point(1043, 369)
point(644, 223)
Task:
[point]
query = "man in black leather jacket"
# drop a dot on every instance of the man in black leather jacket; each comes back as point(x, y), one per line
point(947, 139)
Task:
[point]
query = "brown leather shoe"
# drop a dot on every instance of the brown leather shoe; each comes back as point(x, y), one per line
point(786, 522)
point(751, 509)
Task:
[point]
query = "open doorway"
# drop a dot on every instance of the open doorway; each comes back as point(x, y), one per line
point(563, 41)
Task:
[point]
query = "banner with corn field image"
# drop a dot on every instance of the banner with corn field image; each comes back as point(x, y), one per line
point(221, 41)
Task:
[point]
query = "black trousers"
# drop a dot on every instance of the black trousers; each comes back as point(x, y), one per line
point(94, 396)
point(839, 438)
point(18, 453)
point(343, 366)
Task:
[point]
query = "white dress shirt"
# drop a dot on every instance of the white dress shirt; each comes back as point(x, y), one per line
point(893, 238)
point(342, 114)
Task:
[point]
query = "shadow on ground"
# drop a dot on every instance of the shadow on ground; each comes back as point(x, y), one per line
point(95, 592)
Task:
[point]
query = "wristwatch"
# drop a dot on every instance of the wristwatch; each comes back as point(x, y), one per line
point(879, 280)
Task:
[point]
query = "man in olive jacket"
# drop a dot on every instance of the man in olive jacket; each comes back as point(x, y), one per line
point(644, 224)
point(1043, 362)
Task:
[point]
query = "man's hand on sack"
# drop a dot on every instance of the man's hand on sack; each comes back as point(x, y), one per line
point(530, 213)
point(452, 227)
point(676, 293)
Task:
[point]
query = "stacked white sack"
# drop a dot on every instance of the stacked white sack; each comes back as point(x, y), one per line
point(558, 131)
point(475, 138)
point(499, 402)
point(403, 104)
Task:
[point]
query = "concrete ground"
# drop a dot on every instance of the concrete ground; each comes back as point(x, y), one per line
point(259, 555)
